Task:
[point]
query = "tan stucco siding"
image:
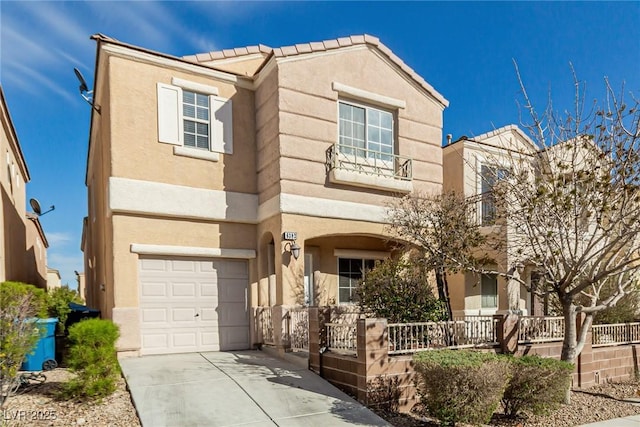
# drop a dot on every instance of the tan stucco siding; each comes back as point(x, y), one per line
point(136, 150)
point(309, 123)
point(154, 231)
point(267, 142)
point(327, 235)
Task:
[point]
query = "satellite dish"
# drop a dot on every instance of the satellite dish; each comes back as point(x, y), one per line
point(83, 84)
point(35, 205)
point(84, 90)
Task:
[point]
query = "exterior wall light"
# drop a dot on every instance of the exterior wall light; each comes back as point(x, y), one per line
point(290, 237)
point(294, 248)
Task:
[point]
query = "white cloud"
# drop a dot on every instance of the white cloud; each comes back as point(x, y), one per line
point(58, 238)
point(17, 72)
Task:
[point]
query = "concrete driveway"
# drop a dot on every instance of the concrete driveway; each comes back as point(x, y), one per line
point(248, 388)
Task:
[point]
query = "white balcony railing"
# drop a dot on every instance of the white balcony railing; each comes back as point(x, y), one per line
point(369, 162)
point(615, 334)
point(540, 329)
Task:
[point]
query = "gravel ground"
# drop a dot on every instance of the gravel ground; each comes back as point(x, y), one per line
point(603, 402)
point(37, 406)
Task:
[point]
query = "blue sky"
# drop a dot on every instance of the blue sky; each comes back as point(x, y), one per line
point(465, 50)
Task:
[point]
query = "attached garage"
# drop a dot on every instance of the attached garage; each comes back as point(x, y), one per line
point(191, 305)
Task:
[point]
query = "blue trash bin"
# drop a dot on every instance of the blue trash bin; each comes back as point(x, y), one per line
point(44, 352)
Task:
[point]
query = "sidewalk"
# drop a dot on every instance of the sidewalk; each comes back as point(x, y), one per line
point(631, 421)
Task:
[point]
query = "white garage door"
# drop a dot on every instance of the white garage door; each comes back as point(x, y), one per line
point(190, 305)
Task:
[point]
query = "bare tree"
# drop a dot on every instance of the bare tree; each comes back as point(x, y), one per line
point(569, 209)
point(572, 211)
point(444, 229)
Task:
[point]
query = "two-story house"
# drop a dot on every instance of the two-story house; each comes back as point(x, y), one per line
point(472, 166)
point(246, 177)
point(23, 244)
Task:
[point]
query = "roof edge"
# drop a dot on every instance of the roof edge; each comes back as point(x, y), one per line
point(321, 46)
point(13, 137)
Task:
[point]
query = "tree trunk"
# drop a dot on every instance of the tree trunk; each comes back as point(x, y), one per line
point(443, 291)
point(570, 341)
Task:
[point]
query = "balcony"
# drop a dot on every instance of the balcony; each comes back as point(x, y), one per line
point(370, 169)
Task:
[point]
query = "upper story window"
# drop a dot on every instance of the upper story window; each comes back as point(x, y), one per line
point(192, 116)
point(489, 177)
point(366, 131)
point(195, 110)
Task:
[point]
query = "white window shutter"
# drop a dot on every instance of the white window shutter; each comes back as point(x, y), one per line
point(222, 125)
point(169, 120)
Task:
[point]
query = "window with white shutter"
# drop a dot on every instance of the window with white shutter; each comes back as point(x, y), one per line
point(191, 115)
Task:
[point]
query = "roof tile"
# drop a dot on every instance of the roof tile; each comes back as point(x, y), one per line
point(288, 50)
point(331, 44)
point(202, 57)
point(239, 51)
point(357, 39)
point(316, 46)
point(253, 49)
point(303, 48)
point(371, 39)
point(217, 55)
point(344, 41)
point(228, 53)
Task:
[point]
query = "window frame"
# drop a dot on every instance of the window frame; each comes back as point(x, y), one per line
point(195, 119)
point(351, 287)
point(378, 155)
point(171, 117)
point(487, 206)
point(484, 296)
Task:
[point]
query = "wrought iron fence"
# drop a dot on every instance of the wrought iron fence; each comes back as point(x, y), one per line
point(264, 322)
point(297, 327)
point(342, 337)
point(540, 329)
point(467, 332)
point(615, 334)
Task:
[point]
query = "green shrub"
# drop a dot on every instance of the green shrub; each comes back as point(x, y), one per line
point(399, 291)
point(461, 385)
point(58, 305)
point(537, 384)
point(11, 291)
point(92, 356)
point(19, 303)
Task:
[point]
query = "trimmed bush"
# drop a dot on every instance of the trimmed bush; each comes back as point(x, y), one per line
point(461, 385)
point(92, 356)
point(399, 291)
point(537, 385)
point(58, 305)
point(20, 303)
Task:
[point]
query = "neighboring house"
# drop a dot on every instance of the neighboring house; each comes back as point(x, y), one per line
point(471, 167)
point(82, 293)
point(246, 177)
point(23, 245)
point(54, 280)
